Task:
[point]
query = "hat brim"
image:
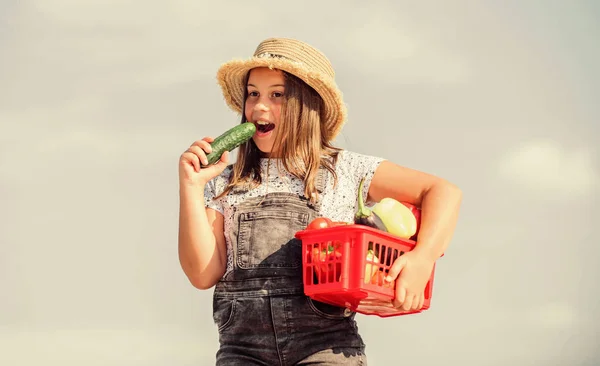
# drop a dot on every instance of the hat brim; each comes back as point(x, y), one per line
point(231, 76)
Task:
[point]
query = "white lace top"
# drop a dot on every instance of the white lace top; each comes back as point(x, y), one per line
point(338, 204)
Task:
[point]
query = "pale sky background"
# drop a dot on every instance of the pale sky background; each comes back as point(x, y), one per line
point(99, 98)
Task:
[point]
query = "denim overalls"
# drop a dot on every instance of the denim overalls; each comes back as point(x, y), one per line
point(262, 314)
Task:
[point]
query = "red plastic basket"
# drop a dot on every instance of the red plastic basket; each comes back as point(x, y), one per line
point(336, 270)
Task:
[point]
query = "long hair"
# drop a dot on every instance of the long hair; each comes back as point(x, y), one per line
point(300, 141)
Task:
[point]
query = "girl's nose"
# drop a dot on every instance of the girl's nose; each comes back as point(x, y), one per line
point(261, 107)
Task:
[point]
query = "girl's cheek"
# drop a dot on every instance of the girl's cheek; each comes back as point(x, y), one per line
point(248, 110)
point(277, 113)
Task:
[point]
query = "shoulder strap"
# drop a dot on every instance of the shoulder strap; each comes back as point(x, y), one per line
point(321, 180)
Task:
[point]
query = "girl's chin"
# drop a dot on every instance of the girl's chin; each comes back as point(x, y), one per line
point(264, 147)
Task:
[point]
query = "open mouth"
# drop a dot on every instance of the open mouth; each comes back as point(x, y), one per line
point(264, 127)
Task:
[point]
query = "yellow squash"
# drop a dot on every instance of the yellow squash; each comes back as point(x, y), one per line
point(397, 218)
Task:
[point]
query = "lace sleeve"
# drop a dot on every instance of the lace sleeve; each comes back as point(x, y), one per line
point(362, 166)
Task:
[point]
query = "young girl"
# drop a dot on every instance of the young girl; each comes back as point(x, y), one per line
point(237, 222)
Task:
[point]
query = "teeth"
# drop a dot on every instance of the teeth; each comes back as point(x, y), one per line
point(262, 122)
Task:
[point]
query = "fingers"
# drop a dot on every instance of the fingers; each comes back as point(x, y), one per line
point(201, 154)
point(204, 144)
point(400, 297)
point(406, 298)
point(191, 158)
point(407, 301)
point(224, 159)
point(421, 302)
point(196, 153)
point(218, 167)
point(222, 163)
point(396, 268)
point(201, 148)
point(194, 167)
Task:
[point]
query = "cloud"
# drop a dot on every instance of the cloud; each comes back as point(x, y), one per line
point(553, 315)
point(390, 45)
point(80, 130)
point(105, 346)
point(49, 129)
point(545, 167)
point(175, 41)
point(70, 61)
point(160, 17)
point(385, 50)
point(62, 48)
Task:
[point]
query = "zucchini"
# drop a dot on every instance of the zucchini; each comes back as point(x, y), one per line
point(366, 216)
point(230, 140)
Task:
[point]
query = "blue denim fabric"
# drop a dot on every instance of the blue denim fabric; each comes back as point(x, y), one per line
point(261, 312)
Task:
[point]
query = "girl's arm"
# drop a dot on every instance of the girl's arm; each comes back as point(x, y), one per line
point(439, 201)
point(202, 249)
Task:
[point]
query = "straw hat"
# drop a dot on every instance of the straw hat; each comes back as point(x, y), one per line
point(294, 57)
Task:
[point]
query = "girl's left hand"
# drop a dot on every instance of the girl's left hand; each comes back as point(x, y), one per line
point(412, 271)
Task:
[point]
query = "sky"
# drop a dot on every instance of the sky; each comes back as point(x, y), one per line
point(99, 98)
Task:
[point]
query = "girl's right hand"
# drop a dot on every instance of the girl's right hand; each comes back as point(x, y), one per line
point(191, 173)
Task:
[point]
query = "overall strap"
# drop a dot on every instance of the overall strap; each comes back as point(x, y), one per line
point(321, 180)
point(320, 184)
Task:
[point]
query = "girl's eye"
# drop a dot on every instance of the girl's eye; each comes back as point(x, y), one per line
point(255, 94)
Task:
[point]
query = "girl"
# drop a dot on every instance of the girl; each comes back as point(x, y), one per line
point(237, 222)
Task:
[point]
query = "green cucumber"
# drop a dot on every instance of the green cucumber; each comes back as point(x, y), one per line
point(230, 140)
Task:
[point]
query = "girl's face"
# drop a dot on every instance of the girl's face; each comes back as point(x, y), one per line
point(263, 105)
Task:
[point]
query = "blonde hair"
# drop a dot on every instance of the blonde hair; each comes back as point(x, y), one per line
point(300, 141)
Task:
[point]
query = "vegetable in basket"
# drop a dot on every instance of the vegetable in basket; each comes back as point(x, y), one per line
point(397, 218)
point(326, 262)
point(386, 215)
point(364, 215)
